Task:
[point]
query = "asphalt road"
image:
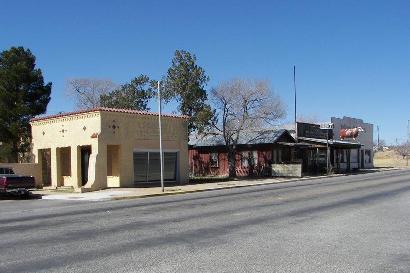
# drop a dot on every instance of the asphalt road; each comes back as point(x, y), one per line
point(356, 223)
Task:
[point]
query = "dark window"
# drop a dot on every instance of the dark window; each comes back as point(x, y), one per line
point(253, 158)
point(147, 166)
point(244, 159)
point(6, 171)
point(285, 155)
point(249, 158)
point(368, 153)
point(214, 160)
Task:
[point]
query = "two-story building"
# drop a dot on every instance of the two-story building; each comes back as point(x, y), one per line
point(365, 137)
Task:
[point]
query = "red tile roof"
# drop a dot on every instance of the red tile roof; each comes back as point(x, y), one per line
point(104, 109)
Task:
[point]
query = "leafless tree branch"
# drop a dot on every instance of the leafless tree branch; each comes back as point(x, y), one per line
point(86, 92)
point(243, 106)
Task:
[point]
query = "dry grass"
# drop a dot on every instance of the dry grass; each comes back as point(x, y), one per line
point(389, 159)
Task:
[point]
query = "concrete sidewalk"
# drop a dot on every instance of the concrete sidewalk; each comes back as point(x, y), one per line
point(130, 193)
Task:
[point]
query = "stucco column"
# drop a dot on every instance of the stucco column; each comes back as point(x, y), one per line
point(55, 167)
point(183, 165)
point(101, 166)
point(75, 166)
point(126, 164)
point(36, 154)
point(39, 161)
point(97, 169)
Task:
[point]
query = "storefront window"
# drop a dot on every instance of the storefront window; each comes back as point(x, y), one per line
point(368, 154)
point(244, 159)
point(214, 160)
point(253, 158)
point(249, 158)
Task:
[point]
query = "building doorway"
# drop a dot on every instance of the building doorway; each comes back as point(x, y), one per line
point(45, 160)
point(64, 166)
point(85, 161)
point(332, 158)
point(348, 160)
point(362, 159)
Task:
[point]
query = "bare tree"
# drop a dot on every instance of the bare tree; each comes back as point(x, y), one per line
point(87, 92)
point(380, 145)
point(404, 150)
point(244, 108)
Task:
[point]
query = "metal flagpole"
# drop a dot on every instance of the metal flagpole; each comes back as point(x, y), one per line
point(294, 86)
point(160, 138)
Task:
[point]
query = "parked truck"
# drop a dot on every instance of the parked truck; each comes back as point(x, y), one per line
point(11, 183)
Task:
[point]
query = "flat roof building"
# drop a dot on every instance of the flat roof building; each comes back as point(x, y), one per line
point(104, 147)
point(350, 144)
point(364, 137)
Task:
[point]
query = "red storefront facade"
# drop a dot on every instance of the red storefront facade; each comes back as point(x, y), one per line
point(210, 157)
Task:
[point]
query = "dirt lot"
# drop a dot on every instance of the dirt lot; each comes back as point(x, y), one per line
point(389, 159)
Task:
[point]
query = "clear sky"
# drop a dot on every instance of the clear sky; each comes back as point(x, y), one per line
point(352, 57)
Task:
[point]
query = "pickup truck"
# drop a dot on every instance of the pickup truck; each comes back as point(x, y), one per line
point(15, 184)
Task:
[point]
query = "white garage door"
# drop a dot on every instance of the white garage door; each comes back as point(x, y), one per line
point(147, 167)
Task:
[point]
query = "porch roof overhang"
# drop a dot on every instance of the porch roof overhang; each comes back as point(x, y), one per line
point(298, 145)
point(317, 143)
point(247, 138)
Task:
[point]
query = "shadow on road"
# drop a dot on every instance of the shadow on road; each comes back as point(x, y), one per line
point(31, 196)
point(210, 179)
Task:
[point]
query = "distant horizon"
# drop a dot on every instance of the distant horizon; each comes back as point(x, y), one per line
point(352, 58)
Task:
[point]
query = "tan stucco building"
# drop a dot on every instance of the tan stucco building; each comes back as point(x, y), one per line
point(103, 147)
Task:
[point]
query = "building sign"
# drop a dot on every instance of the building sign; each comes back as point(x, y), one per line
point(313, 131)
point(327, 126)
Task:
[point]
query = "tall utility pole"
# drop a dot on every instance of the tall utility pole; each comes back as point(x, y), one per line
point(408, 131)
point(294, 87)
point(160, 138)
point(378, 138)
point(327, 152)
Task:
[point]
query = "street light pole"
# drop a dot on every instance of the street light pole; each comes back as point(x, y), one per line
point(408, 130)
point(327, 152)
point(160, 138)
point(327, 127)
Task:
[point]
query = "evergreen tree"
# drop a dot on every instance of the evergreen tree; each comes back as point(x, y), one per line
point(185, 82)
point(134, 95)
point(23, 95)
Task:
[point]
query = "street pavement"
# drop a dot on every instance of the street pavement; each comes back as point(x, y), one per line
point(356, 223)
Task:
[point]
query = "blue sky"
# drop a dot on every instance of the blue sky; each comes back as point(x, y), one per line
point(352, 57)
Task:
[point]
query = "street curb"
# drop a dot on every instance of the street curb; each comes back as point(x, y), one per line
point(210, 189)
point(232, 187)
